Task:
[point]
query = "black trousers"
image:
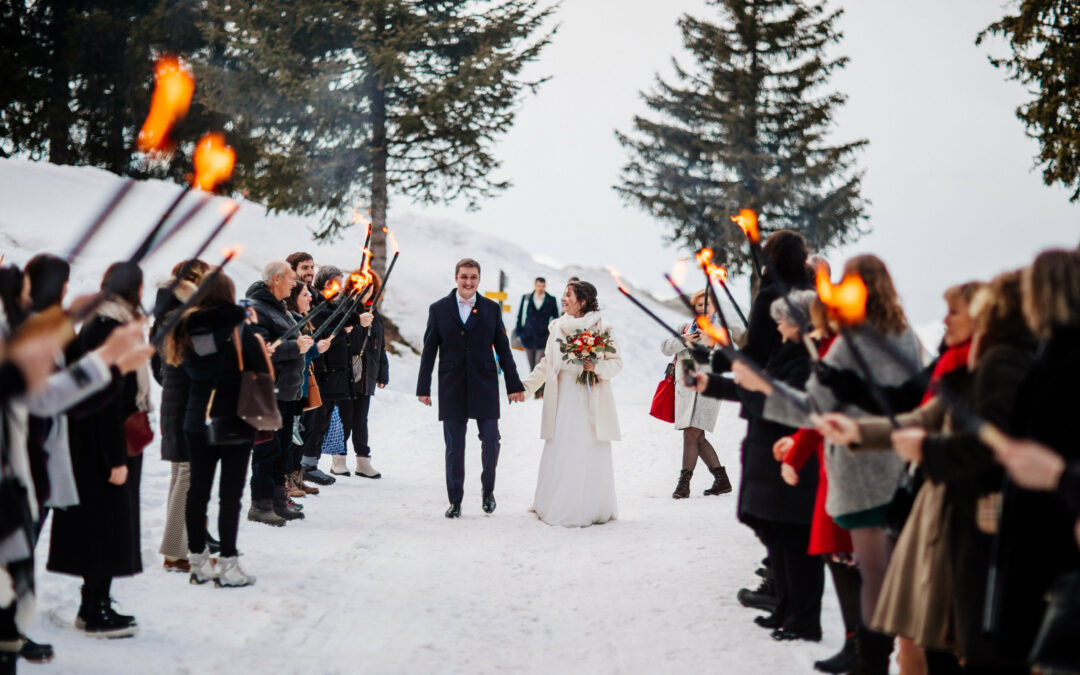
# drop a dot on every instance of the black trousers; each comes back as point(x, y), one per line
point(354, 420)
point(268, 459)
point(800, 577)
point(204, 461)
point(315, 422)
point(454, 434)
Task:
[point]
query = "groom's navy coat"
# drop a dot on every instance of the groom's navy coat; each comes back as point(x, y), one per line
point(468, 376)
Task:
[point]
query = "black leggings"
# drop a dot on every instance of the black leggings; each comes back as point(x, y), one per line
point(847, 582)
point(354, 420)
point(696, 445)
point(204, 461)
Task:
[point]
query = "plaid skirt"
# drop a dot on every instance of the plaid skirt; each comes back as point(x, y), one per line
point(334, 440)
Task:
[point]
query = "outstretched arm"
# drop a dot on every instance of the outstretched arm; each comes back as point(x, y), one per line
point(432, 340)
point(501, 343)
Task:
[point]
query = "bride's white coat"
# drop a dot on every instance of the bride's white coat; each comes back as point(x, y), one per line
point(602, 412)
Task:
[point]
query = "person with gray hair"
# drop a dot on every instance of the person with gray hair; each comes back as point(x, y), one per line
point(794, 310)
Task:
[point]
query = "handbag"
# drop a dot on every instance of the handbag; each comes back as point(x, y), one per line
point(1056, 648)
point(137, 432)
point(314, 396)
point(663, 401)
point(258, 399)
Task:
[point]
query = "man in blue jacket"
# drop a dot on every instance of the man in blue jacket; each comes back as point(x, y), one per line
point(462, 330)
point(536, 311)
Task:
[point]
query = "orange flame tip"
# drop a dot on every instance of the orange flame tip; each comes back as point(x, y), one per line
point(392, 240)
point(717, 333)
point(332, 289)
point(719, 273)
point(228, 206)
point(618, 280)
point(747, 222)
point(173, 87)
point(704, 256)
point(846, 300)
point(213, 161)
point(232, 251)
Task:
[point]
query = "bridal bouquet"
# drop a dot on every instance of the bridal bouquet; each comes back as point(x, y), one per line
point(583, 346)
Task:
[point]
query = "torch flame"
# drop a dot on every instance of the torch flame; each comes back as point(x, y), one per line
point(213, 161)
point(705, 256)
point(333, 289)
point(717, 333)
point(718, 273)
point(173, 87)
point(618, 280)
point(747, 222)
point(846, 300)
point(392, 240)
point(232, 251)
point(679, 270)
point(228, 206)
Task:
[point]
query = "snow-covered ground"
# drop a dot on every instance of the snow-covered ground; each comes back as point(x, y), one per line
point(375, 579)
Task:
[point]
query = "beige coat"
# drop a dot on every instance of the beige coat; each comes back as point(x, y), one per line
point(691, 408)
point(602, 413)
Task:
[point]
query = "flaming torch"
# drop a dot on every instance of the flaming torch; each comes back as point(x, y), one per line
point(392, 240)
point(652, 315)
point(748, 223)
point(200, 292)
point(360, 282)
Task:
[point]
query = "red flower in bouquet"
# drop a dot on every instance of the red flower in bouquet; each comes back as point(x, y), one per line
point(585, 345)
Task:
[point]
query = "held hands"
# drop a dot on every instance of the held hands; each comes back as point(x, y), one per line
point(118, 475)
point(839, 428)
point(782, 447)
point(366, 319)
point(304, 343)
point(1032, 465)
point(426, 400)
point(746, 378)
point(517, 397)
point(323, 345)
point(908, 443)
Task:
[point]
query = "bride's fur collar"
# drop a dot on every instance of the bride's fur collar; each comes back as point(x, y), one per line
point(568, 325)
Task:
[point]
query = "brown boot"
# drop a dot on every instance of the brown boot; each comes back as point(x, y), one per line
point(310, 489)
point(682, 490)
point(721, 485)
point(291, 487)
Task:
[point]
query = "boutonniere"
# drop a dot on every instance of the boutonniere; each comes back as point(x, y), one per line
point(475, 311)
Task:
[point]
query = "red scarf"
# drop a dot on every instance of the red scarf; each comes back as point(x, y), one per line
point(953, 358)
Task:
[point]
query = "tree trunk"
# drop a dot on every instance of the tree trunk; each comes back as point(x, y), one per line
point(59, 114)
point(378, 179)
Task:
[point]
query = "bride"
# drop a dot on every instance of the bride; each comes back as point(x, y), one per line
point(576, 484)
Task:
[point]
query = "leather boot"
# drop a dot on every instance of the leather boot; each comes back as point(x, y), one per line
point(281, 505)
point(262, 511)
point(721, 485)
point(682, 490)
point(874, 650)
point(292, 485)
point(844, 661)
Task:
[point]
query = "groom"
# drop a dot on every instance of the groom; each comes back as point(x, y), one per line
point(462, 329)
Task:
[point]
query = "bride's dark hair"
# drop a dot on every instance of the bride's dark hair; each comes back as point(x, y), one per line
point(586, 295)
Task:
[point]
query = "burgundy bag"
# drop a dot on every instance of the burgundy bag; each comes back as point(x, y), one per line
point(138, 433)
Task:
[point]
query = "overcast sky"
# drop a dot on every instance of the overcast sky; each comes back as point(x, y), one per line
point(949, 169)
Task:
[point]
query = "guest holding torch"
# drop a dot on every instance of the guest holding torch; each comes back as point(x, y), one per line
point(331, 372)
point(267, 298)
point(370, 370)
point(694, 413)
point(299, 304)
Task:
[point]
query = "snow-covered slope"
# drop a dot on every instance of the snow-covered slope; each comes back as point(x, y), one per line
point(375, 579)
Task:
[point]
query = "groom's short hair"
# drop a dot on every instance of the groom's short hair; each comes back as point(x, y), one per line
point(466, 262)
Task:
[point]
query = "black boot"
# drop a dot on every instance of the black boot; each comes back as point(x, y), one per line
point(764, 598)
point(721, 485)
point(97, 619)
point(35, 652)
point(682, 489)
point(874, 650)
point(844, 661)
point(281, 505)
point(7, 662)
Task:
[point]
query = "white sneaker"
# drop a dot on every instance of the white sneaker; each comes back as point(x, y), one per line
point(364, 468)
point(337, 466)
point(202, 568)
point(231, 575)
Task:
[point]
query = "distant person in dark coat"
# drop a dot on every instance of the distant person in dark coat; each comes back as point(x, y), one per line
point(536, 311)
point(369, 369)
point(462, 330)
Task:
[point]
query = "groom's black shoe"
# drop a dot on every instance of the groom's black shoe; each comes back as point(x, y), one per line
point(489, 502)
point(454, 511)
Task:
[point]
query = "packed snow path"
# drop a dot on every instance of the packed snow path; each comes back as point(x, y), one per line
point(376, 580)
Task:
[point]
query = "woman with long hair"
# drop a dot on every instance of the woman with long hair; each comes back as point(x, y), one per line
point(299, 303)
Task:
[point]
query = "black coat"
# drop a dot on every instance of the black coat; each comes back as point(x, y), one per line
point(1036, 542)
point(468, 374)
point(174, 387)
point(532, 323)
point(763, 495)
point(334, 369)
point(100, 536)
point(376, 366)
point(275, 321)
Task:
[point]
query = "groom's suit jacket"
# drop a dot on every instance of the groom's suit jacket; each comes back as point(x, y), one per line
point(468, 376)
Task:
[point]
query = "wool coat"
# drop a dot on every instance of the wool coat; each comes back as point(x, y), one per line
point(173, 380)
point(376, 366)
point(334, 370)
point(532, 323)
point(691, 408)
point(468, 373)
point(274, 321)
point(602, 412)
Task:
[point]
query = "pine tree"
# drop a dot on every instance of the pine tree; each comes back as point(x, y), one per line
point(360, 98)
point(746, 128)
point(1044, 36)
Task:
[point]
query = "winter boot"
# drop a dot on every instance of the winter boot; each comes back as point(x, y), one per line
point(8, 658)
point(764, 598)
point(874, 650)
point(682, 490)
point(202, 568)
point(721, 485)
point(294, 490)
point(96, 619)
point(281, 505)
point(337, 466)
point(298, 478)
point(35, 652)
point(262, 511)
point(176, 565)
point(231, 575)
point(844, 661)
point(313, 475)
point(364, 468)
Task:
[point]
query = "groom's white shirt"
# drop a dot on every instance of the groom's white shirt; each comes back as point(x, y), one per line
point(463, 309)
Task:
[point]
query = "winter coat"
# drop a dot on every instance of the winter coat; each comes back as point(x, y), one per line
point(334, 370)
point(602, 412)
point(762, 338)
point(857, 481)
point(763, 495)
point(376, 366)
point(100, 536)
point(173, 380)
point(274, 321)
point(468, 374)
point(532, 323)
point(691, 409)
point(1036, 542)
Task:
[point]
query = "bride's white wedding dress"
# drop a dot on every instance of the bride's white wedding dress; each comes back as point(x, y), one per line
point(576, 484)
